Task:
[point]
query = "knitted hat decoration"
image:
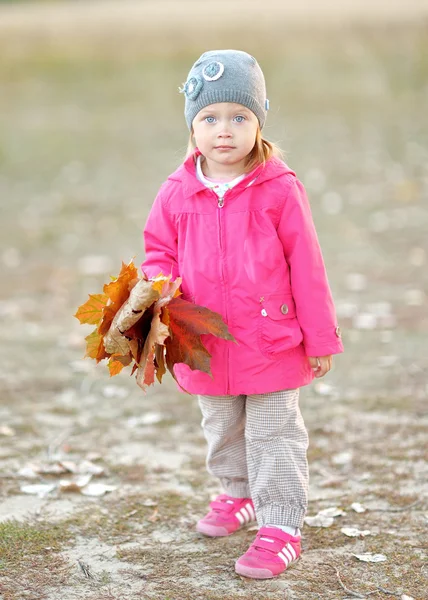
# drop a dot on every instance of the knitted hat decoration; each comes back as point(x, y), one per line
point(225, 76)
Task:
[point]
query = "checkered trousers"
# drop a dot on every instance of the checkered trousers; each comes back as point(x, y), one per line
point(257, 448)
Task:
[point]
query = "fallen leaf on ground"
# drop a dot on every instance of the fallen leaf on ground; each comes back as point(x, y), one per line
point(97, 489)
point(83, 468)
point(28, 471)
point(370, 557)
point(7, 431)
point(39, 489)
point(359, 508)
point(74, 485)
point(149, 502)
point(319, 521)
point(154, 516)
point(342, 458)
point(91, 456)
point(150, 418)
point(324, 517)
point(354, 532)
point(32, 470)
point(332, 511)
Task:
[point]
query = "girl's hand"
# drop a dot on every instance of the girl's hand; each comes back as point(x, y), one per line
point(321, 364)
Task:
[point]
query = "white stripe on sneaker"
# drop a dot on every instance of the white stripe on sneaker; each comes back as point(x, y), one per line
point(292, 550)
point(245, 514)
point(251, 511)
point(283, 558)
point(287, 553)
point(240, 518)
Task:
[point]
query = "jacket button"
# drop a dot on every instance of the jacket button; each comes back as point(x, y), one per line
point(284, 309)
point(338, 332)
point(264, 313)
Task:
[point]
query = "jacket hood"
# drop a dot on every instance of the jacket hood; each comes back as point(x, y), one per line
point(186, 174)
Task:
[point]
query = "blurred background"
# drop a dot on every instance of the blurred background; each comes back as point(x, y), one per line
point(91, 124)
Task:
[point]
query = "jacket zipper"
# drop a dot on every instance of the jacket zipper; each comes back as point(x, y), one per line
point(220, 204)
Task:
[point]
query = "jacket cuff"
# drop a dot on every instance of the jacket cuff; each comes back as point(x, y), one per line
point(151, 271)
point(328, 344)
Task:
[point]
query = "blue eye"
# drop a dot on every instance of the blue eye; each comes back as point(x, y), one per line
point(240, 119)
point(210, 119)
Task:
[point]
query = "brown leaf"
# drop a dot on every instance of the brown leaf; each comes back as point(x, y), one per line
point(92, 310)
point(141, 328)
point(136, 348)
point(134, 313)
point(157, 335)
point(160, 361)
point(108, 315)
point(154, 516)
point(142, 296)
point(114, 341)
point(188, 322)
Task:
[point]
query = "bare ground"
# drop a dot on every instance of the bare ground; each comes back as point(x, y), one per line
point(85, 145)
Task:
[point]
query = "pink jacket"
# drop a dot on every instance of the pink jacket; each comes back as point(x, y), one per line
point(256, 260)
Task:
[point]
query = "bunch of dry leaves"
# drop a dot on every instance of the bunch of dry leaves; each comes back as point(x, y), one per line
point(145, 323)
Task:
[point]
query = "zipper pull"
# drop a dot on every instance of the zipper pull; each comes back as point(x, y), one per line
point(221, 202)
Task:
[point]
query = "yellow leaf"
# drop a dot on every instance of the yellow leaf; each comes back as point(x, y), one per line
point(159, 283)
point(117, 362)
point(95, 346)
point(92, 311)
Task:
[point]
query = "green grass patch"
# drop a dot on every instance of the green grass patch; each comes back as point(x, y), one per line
point(29, 560)
point(21, 539)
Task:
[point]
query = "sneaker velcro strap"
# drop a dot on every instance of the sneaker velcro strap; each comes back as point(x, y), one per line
point(223, 506)
point(272, 544)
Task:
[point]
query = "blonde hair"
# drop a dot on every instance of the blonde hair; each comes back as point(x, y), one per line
point(262, 151)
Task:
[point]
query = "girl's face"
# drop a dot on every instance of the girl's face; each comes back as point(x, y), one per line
point(225, 133)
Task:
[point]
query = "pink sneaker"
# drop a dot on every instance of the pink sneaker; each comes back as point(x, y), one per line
point(226, 516)
point(269, 555)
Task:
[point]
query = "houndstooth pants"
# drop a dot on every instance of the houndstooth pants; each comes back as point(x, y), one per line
point(257, 449)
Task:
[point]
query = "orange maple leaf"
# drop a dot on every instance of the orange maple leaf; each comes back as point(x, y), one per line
point(92, 311)
point(101, 309)
point(119, 289)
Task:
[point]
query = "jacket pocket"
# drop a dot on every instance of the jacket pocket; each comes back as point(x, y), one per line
point(278, 328)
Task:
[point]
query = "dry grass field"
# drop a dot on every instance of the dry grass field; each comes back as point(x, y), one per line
point(91, 123)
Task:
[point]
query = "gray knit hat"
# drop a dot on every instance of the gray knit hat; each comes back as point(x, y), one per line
point(225, 76)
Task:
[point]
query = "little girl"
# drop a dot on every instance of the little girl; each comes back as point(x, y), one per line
point(235, 223)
